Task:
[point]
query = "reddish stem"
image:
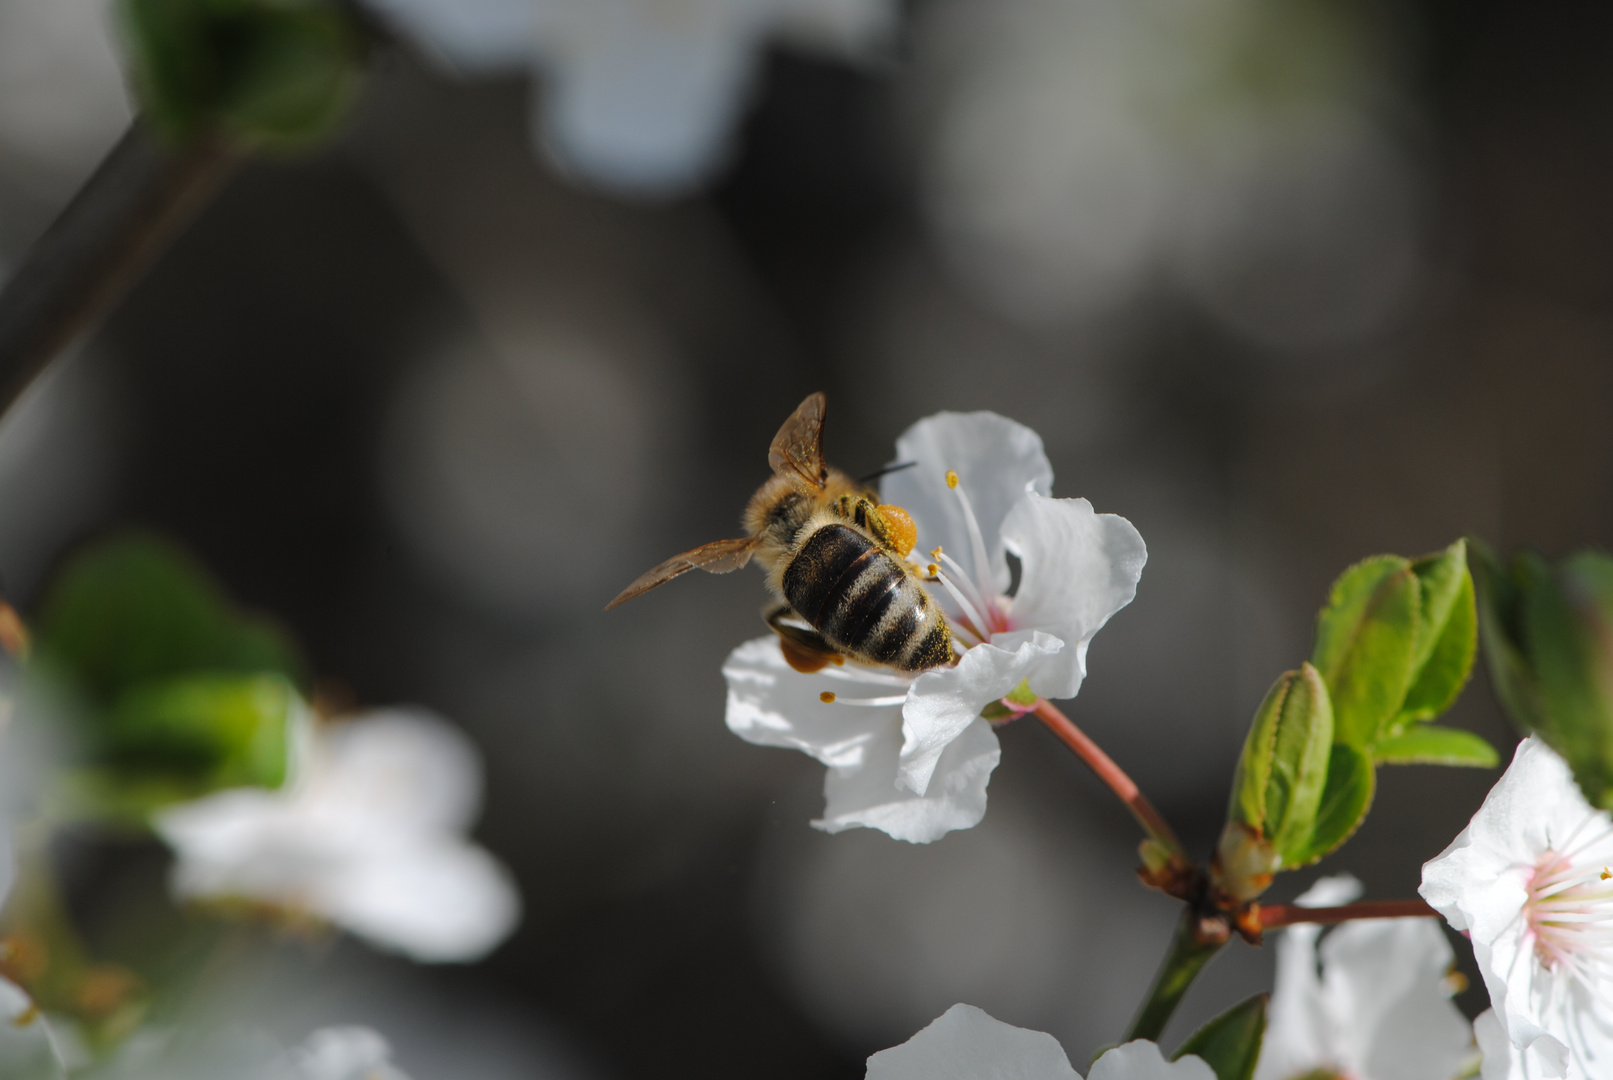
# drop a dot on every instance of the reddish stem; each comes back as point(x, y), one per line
point(1274, 915)
point(1104, 766)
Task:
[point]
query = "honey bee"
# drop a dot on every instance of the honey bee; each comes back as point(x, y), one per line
point(836, 562)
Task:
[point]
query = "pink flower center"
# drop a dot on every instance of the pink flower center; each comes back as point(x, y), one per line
point(1570, 912)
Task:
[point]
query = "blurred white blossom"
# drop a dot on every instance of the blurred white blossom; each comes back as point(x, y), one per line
point(911, 755)
point(1528, 882)
point(369, 834)
point(966, 1042)
point(1380, 1008)
point(638, 95)
point(63, 102)
point(1080, 151)
point(238, 1053)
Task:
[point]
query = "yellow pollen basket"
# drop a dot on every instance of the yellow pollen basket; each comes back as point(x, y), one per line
point(899, 524)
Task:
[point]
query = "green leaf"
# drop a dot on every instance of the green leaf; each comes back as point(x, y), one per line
point(174, 741)
point(1447, 636)
point(1567, 633)
point(1366, 638)
point(134, 608)
point(1230, 1044)
point(220, 730)
point(270, 71)
point(1428, 745)
point(1346, 798)
point(1500, 633)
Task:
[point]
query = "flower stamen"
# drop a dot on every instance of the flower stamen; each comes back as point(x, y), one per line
point(1569, 911)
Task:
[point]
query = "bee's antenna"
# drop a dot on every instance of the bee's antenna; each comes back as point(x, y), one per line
point(886, 471)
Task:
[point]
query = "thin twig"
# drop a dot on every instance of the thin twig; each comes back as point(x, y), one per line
point(138, 199)
point(1111, 774)
point(1272, 916)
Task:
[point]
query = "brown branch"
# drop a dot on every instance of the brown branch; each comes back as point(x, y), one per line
point(138, 199)
point(1271, 916)
point(1152, 821)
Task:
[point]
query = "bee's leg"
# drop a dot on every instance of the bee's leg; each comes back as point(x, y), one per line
point(804, 648)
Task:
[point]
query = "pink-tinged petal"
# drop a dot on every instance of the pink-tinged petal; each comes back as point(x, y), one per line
point(1143, 1060)
point(1079, 568)
point(772, 704)
point(997, 461)
point(943, 702)
point(871, 796)
point(966, 1043)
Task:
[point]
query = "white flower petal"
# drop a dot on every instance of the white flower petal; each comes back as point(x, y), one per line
point(944, 702)
point(407, 767)
point(997, 461)
point(435, 901)
point(870, 796)
point(27, 1050)
point(1500, 1057)
point(1079, 568)
point(1143, 1060)
point(642, 98)
point(346, 1053)
point(965, 1043)
point(1386, 980)
point(772, 704)
point(369, 837)
point(472, 35)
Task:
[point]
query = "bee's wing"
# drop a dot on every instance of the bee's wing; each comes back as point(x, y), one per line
point(797, 449)
point(718, 557)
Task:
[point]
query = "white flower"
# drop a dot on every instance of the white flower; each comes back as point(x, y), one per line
point(1380, 1009)
point(641, 95)
point(345, 1053)
point(241, 1053)
point(965, 1043)
point(368, 834)
point(1528, 881)
point(911, 755)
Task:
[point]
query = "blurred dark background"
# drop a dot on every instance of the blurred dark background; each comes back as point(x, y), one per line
point(432, 406)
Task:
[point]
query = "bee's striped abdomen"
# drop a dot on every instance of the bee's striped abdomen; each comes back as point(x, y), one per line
point(864, 602)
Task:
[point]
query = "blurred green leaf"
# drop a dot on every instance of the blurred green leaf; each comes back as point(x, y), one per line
point(1429, 745)
point(269, 71)
point(1365, 642)
point(221, 730)
point(1351, 781)
point(134, 608)
point(1230, 1044)
point(1501, 634)
point(1567, 620)
point(172, 691)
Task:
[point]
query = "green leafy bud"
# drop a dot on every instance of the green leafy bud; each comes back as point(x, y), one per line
point(1548, 643)
point(174, 693)
point(1230, 1044)
point(1346, 798)
point(267, 71)
point(1281, 774)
